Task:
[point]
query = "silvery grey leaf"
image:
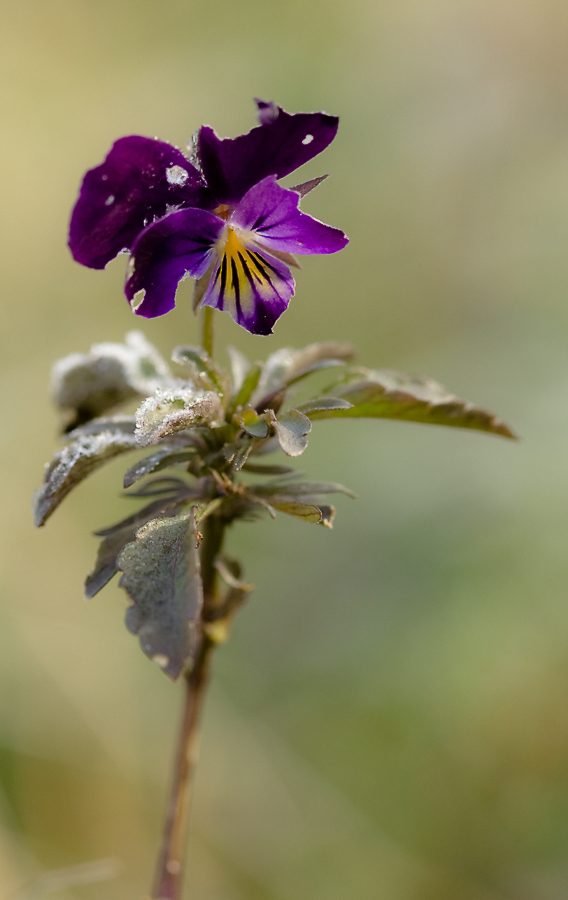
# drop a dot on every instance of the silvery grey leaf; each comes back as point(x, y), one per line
point(170, 411)
point(73, 464)
point(161, 575)
point(157, 461)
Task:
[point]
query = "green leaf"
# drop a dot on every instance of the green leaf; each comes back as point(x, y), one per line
point(286, 366)
point(259, 469)
point(240, 366)
point(205, 374)
point(292, 429)
point(167, 412)
point(73, 464)
point(393, 395)
point(300, 488)
point(308, 512)
point(252, 423)
point(157, 461)
point(323, 403)
point(162, 578)
point(248, 386)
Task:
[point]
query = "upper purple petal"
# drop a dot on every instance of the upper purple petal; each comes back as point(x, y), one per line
point(272, 213)
point(179, 244)
point(137, 182)
point(279, 145)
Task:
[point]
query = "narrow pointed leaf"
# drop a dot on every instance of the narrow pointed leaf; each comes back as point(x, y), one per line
point(248, 386)
point(73, 464)
point(259, 469)
point(392, 395)
point(301, 488)
point(157, 461)
point(323, 403)
point(240, 367)
point(162, 578)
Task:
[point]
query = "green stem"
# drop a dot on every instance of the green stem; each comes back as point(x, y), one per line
point(207, 331)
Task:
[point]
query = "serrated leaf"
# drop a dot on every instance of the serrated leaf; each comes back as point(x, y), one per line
point(88, 384)
point(292, 429)
point(116, 537)
point(322, 403)
point(73, 464)
point(157, 461)
point(161, 574)
point(170, 411)
point(393, 395)
point(252, 423)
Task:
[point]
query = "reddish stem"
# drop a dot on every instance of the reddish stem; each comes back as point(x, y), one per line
point(169, 870)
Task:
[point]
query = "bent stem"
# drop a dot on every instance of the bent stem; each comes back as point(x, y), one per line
point(169, 870)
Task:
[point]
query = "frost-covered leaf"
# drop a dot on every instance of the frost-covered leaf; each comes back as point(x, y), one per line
point(157, 486)
point(307, 359)
point(393, 395)
point(88, 384)
point(252, 423)
point(170, 411)
point(117, 537)
point(322, 403)
point(125, 424)
point(72, 464)
point(157, 461)
point(162, 577)
point(292, 429)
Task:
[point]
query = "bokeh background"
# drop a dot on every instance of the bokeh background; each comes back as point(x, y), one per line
point(389, 720)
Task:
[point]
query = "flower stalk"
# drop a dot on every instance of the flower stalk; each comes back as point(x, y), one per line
point(169, 870)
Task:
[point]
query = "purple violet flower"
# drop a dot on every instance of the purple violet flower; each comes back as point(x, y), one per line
point(222, 218)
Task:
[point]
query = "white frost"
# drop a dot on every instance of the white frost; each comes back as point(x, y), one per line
point(308, 139)
point(176, 175)
point(109, 200)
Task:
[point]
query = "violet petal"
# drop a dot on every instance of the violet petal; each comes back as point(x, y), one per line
point(253, 287)
point(272, 213)
point(139, 179)
point(282, 143)
point(179, 244)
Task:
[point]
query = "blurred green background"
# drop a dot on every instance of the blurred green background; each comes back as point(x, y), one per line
point(389, 720)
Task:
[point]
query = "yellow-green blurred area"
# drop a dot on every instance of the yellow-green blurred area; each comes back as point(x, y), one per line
point(389, 720)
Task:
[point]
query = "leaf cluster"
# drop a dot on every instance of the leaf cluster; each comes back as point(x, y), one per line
point(207, 430)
